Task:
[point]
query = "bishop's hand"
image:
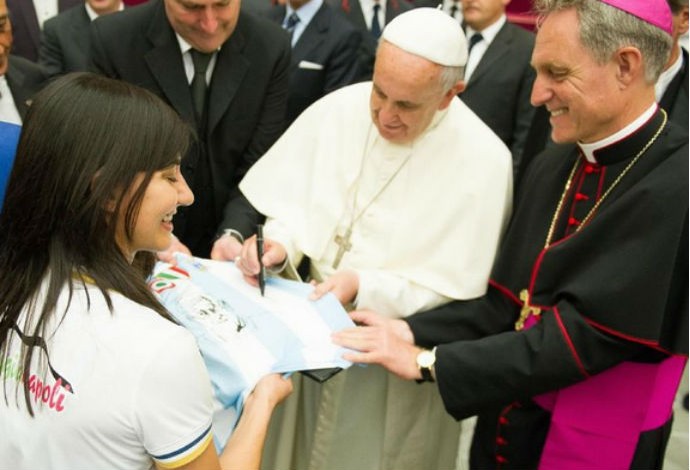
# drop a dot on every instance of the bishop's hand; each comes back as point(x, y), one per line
point(380, 340)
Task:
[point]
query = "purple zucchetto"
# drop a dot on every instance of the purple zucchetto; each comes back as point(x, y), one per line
point(655, 12)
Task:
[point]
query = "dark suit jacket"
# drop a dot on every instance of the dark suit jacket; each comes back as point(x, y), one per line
point(246, 105)
point(499, 89)
point(25, 29)
point(65, 42)
point(329, 41)
point(25, 79)
point(353, 11)
point(675, 99)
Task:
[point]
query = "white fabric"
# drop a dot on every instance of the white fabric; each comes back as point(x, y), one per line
point(368, 12)
point(488, 35)
point(45, 9)
point(305, 13)
point(428, 33)
point(92, 13)
point(186, 49)
point(668, 75)
point(139, 389)
point(8, 109)
point(429, 237)
point(588, 149)
point(435, 228)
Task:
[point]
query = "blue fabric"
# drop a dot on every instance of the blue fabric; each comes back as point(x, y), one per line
point(9, 137)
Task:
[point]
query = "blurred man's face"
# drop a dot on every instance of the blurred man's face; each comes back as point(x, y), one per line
point(5, 36)
point(204, 24)
point(482, 13)
point(406, 93)
point(581, 95)
point(103, 7)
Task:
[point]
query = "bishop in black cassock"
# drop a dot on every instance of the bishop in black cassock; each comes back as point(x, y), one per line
point(573, 357)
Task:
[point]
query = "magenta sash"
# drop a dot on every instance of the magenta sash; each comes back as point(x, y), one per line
point(596, 423)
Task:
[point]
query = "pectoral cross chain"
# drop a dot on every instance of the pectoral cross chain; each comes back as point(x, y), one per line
point(526, 310)
point(344, 245)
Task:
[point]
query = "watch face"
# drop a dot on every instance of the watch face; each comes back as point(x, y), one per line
point(426, 359)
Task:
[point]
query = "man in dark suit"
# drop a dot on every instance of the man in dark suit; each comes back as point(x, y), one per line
point(498, 75)
point(27, 26)
point(65, 37)
point(672, 86)
point(361, 15)
point(19, 78)
point(155, 45)
point(324, 51)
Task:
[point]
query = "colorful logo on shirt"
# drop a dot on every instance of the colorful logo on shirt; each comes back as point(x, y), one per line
point(165, 279)
point(42, 390)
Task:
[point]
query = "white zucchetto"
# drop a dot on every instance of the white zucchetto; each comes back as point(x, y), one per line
point(429, 33)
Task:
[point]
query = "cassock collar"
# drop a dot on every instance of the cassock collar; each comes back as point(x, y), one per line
point(627, 142)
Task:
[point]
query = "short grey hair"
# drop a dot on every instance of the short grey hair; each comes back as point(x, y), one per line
point(605, 29)
point(449, 76)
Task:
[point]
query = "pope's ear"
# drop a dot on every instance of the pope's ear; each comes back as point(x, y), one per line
point(452, 92)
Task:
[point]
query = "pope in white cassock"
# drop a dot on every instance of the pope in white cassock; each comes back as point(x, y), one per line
point(398, 194)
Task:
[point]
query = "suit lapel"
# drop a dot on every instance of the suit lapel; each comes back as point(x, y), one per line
point(29, 12)
point(499, 47)
point(392, 7)
point(310, 38)
point(164, 60)
point(357, 16)
point(230, 69)
point(15, 81)
point(80, 30)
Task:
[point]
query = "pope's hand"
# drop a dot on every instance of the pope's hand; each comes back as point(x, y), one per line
point(385, 341)
point(247, 260)
point(343, 284)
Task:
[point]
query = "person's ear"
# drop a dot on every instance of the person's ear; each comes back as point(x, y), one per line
point(111, 202)
point(629, 64)
point(456, 89)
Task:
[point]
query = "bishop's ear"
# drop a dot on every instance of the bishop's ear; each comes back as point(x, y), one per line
point(630, 65)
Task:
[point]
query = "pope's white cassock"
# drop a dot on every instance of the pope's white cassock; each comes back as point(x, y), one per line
point(425, 221)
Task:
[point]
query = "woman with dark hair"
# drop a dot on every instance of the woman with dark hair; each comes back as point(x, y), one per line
point(94, 372)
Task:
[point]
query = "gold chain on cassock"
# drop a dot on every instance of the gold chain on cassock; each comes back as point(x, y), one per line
point(528, 309)
point(343, 241)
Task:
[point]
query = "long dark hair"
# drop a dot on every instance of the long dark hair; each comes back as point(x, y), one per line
point(84, 141)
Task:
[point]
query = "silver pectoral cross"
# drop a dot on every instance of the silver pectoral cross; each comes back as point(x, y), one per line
point(344, 245)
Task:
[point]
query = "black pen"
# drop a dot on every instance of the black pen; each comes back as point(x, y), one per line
point(260, 254)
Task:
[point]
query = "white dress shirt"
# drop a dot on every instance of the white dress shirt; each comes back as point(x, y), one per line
point(186, 48)
point(368, 11)
point(8, 110)
point(45, 9)
point(305, 13)
point(488, 35)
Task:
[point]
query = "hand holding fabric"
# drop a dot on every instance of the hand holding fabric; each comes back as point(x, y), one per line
point(343, 284)
point(226, 248)
point(176, 246)
point(380, 340)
